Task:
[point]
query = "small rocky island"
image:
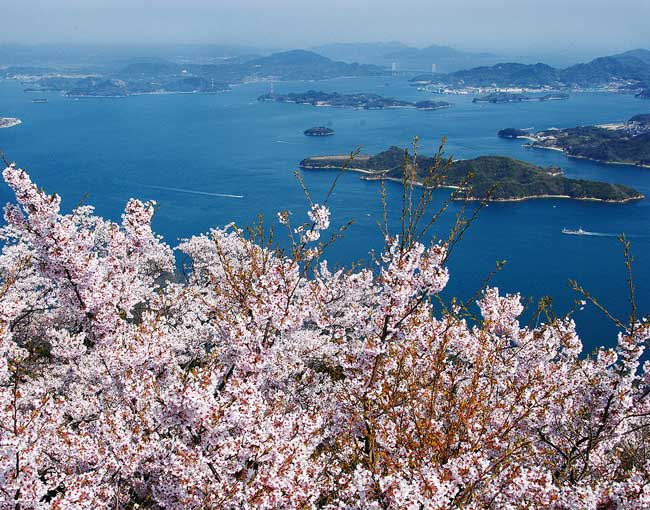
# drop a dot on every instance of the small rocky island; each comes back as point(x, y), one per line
point(622, 143)
point(508, 97)
point(360, 101)
point(319, 131)
point(495, 178)
point(7, 122)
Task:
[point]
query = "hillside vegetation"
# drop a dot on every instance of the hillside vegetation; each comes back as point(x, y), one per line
point(492, 177)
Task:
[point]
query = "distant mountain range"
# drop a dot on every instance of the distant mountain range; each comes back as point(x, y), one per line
point(286, 65)
point(159, 75)
point(630, 69)
point(406, 58)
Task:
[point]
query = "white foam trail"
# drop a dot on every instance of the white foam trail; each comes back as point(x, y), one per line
point(282, 141)
point(593, 234)
point(600, 234)
point(194, 192)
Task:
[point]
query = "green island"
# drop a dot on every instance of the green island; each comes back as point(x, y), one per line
point(100, 87)
point(624, 143)
point(319, 131)
point(509, 97)
point(336, 100)
point(493, 178)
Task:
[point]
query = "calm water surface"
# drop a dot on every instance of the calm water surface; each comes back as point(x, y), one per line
point(229, 143)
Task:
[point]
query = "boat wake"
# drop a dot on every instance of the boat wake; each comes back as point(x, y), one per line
point(193, 192)
point(581, 232)
point(601, 234)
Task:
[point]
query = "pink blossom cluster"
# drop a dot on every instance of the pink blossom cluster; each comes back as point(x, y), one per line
point(254, 384)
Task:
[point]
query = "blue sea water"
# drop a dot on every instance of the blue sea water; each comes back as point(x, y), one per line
point(185, 151)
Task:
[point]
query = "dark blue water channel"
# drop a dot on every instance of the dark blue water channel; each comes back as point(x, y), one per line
point(165, 147)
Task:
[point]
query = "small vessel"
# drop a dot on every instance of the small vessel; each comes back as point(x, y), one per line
point(39, 100)
point(578, 232)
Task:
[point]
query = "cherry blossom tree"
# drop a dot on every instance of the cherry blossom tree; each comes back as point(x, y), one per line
point(267, 380)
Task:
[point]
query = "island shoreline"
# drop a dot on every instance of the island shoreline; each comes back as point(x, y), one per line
point(379, 175)
point(566, 154)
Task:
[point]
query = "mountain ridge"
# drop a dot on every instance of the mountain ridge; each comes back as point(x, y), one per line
point(622, 68)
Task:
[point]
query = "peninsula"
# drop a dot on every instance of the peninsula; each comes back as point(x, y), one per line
point(623, 143)
point(7, 122)
point(494, 178)
point(361, 101)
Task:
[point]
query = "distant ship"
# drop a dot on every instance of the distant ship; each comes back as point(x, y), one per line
point(39, 100)
point(578, 232)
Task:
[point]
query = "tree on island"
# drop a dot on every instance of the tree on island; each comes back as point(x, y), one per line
point(268, 380)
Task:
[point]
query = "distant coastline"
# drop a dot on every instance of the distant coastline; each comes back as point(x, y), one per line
point(508, 97)
point(154, 93)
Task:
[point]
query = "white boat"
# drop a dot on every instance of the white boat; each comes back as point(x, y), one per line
point(578, 232)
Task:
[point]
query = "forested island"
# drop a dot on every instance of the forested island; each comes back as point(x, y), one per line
point(509, 97)
point(319, 131)
point(361, 100)
point(512, 133)
point(625, 143)
point(494, 178)
point(99, 87)
point(7, 122)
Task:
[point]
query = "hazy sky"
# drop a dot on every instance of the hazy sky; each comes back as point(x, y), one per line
point(490, 25)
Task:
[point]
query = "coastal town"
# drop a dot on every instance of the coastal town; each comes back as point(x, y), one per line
point(623, 143)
